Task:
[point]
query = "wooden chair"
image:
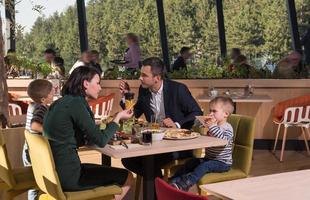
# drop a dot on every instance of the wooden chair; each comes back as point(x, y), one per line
point(13, 181)
point(293, 116)
point(102, 106)
point(46, 177)
point(165, 191)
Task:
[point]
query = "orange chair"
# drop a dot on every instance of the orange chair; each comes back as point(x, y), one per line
point(102, 106)
point(293, 112)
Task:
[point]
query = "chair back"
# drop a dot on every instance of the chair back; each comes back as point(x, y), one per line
point(165, 191)
point(244, 128)
point(102, 106)
point(43, 165)
point(14, 109)
point(6, 175)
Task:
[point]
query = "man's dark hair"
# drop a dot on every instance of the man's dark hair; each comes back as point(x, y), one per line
point(50, 51)
point(184, 49)
point(75, 83)
point(38, 89)
point(236, 51)
point(157, 65)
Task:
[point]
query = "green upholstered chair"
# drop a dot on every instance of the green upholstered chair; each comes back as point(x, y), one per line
point(242, 151)
point(47, 178)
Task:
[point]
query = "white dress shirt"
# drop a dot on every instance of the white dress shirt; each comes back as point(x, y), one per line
point(158, 106)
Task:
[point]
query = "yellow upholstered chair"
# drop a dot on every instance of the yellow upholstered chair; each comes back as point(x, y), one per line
point(47, 179)
point(13, 181)
point(242, 151)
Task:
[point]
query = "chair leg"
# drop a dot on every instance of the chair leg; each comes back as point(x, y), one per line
point(306, 140)
point(276, 140)
point(138, 187)
point(283, 143)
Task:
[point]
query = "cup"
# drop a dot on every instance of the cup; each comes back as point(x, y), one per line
point(155, 122)
point(214, 93)
point(147, 137)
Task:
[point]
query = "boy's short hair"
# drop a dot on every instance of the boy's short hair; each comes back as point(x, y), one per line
point(39, 89)
point(228, 104)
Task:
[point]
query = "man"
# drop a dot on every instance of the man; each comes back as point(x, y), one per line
point(180, 62)
point(167, 100)
point(49, 55)
point(305, 41)
point(94, 60)
point(288, 67)
point(83, 61)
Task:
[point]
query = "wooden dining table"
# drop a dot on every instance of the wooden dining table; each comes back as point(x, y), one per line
point(284, 186)
point(158, 147)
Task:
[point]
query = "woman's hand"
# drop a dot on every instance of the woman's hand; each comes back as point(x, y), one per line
point(125, 114)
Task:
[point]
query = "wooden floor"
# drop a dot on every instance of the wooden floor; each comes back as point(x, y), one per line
point(264, 162)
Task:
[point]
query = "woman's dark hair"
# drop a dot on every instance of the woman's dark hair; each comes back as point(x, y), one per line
point(74, 85)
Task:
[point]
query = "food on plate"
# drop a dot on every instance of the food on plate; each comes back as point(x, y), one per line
point(179, 133)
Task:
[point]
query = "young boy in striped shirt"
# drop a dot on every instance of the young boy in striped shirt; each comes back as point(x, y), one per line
point(217, 159)
point(41, 92)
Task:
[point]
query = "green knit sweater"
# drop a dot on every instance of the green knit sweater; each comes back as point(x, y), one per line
point(68, 124)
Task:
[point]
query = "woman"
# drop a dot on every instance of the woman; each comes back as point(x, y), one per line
point(70, 124)
point(133, 53)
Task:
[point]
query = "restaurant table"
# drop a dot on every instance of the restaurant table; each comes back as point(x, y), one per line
point(159, 147)
point(284, 186)
point(239, 99)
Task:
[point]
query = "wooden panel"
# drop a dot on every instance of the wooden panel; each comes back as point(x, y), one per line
point(277, 89)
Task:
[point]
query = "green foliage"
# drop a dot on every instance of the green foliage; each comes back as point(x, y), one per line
point(22, 62)
point(259, 27)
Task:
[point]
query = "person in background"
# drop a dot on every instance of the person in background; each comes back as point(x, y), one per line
point(41, 92)
point(58, 69)
point(49, 55)
point(70, 124)
point(84, 60)
point(9, 60)
point(133, 52)
point(180, 62)
point(94, 60)
point(234, 54)
point(305, 41)
point(217, 159)
point(289, 66)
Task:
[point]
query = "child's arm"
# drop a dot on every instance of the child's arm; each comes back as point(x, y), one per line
point(37, 127)
point(216, 131)
point(36, 123)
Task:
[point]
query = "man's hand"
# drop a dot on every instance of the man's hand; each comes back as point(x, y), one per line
point(123, 87)
point(169, 123)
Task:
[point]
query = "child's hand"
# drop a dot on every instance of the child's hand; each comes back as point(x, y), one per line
point(210, 120)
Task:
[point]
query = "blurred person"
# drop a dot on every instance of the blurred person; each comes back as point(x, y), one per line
point(180, 62)
point(94, 60)
point(84, 60)
point(49, 55)
point(289, 66)
point(133, 52)
point(58, 69)
point(305, 41)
